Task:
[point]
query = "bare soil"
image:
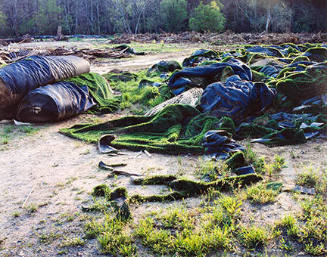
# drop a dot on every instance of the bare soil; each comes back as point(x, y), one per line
point(46, 177)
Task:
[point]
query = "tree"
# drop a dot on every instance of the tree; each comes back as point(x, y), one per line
point(40, 17)
point(173, 15)
point(207, 17)
point(268, 5)
point(48, 18)
point(3, 22)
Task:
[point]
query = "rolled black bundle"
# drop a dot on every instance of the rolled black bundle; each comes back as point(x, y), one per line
point(55, 102)
point(18, 79)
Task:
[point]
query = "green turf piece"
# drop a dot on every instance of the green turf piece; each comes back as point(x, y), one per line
point(100, 91)
point(175, 129)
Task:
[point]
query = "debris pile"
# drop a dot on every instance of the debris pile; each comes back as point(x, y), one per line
point(275, 94)
point(222, 38)
point(239, 87)
point(122, 51)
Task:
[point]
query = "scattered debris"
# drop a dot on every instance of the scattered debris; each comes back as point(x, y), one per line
point(110, 166)
point(222, 38)
point(8, 56)
point(104, 144)
point(28, 196)
point(147, 153)
point(123, 173)
point(304, 190)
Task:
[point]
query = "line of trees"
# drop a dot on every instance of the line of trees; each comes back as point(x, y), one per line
point(42, 17)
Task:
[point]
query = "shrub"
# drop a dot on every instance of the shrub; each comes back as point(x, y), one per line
point(173, 14)
point(207, 17)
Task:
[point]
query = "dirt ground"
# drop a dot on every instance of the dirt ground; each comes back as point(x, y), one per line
point(46, 178)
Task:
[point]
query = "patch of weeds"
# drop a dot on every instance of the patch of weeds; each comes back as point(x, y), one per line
point(181, 168)
point(29, 130)
point(60, 184)
point(4, 148)
point(31, 208)
point(258, 162)
point(92, 229)
point(289, 225)
point(16, 214)
point(285, 245)
point(279, 163)
point(253, 237)
point(260, 194)
point(321, 187)
point(62, 252)
point(99, 205)
point(318, 249)
point(158, 240)
point(177, 218)
point(71, 180)
point(231, 204)
point(293, 155)
point(68, 217)
point(81, 191)
point(48, 238)
point(308, 178)
point(212, 170)
point(10, 131)
point(5, 141)
point(74, 241)
point(309, 229)
point(182, 232)
point(111, 235)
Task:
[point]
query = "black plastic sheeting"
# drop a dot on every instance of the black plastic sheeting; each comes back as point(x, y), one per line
point(219, 145)
point(54, 102)
point(236, 98)
point(283, 128)
point(270, 51)
point(208, 74)
point(270, 70)
point(35, 71)
point(199, 56)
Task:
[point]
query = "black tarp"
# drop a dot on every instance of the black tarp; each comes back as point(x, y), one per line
point(18, 79)
point(55, 102)
point(236, 98)
point(202, 76)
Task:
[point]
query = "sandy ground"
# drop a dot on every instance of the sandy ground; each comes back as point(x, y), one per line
point(105, 65)
point(138, 62)
point(46, 178)
point(54, 174)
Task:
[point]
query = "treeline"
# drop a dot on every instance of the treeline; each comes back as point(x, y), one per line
point(42, 17)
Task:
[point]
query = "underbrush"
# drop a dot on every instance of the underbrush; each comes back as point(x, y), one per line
point(8, 132)
point(219, 223)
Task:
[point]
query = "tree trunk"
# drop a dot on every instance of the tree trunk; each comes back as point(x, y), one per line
point(268, 18)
